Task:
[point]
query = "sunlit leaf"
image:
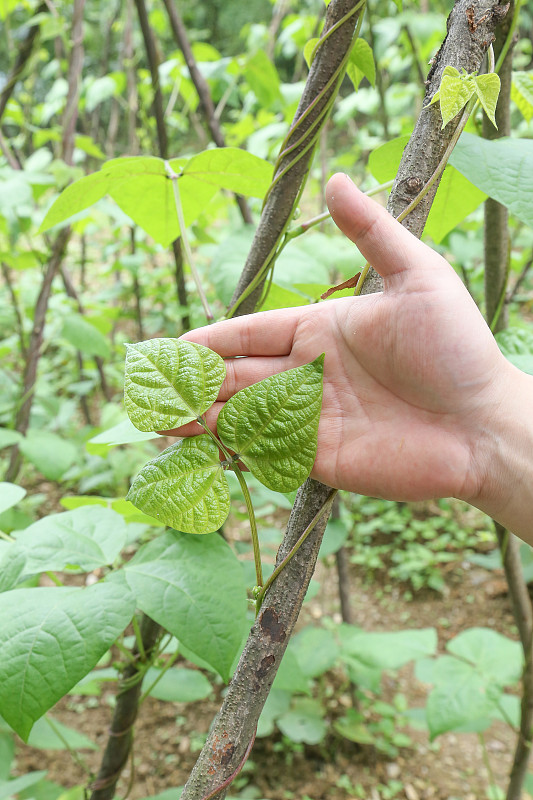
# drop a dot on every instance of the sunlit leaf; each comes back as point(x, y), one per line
point(488, 90)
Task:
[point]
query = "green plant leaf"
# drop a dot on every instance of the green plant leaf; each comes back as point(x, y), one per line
point(263, 79)
point(51, 734)
point(85, 337)
point(142, 189)
point(16, 785)
point(462, 705)
point(304, 722)
point(456, 196)
point(316, 650)
point(88, 537)
point(517, 345)
point(500, 167)
point(12, 564)
point(122, 433)
point(496, 657)
point(522, 93)
point(193, 587)
point(389, 650)
point(9, 437)
point(488, 90)
point(50, 638)
point(49, 453)
point(178, 685)
point(170, 382)
point(308, 50)
point(184, 487)
point(10, 495)
point(454, 92)
point(273, 425)
point(361, 64)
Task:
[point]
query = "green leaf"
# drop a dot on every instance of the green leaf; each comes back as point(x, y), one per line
point(454, 92)
point(9, 437)
point(51, 734)
point(458, 705)
point(456, 196)
point(517, 345)
point(262, 77)
point(273, 425)
point(316, 650)
point(389, 650)
point(488, 90)
point(85, 337)
point(184, 487)
point(10, 495)
point(193, 587)
point(170, 382)
point(16, 785)
point(98, 91)
point(496, 657)
point(142, 189)
point(289, 677)
point(304, 722)
point(178, 685)
point(361, 64)
point(50, 638)
point(352, 727)
point(500, 167)
point(88, 538)
point(12, 564)
point(122, 433)
point(335, 535)
point(277, 703)
point(522, 93)
point(309, 49)
point(49, 453)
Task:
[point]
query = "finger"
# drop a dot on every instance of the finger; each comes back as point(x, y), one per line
point(268, 333)
point(242, 372)
point(388, 246)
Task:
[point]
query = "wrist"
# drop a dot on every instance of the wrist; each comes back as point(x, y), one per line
point(503, 455)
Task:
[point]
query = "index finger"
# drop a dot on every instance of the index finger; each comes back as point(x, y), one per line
point(267, 333)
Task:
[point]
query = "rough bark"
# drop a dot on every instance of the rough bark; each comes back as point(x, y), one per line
point(496, 231)
point(120, 739)
point(470, 30)
point(202, 88)
point(297, 150)
point(153, 63)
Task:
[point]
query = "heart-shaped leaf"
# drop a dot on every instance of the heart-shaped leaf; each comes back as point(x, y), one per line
point(184, 487)
point(194, 587)
point(50, 639)
point(170, 382)
point(273, 425)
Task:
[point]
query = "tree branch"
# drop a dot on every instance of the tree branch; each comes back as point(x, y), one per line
point(25, 50)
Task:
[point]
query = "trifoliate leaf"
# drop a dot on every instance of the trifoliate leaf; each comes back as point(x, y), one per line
point(170, 382)
point(184, 487)
point(273, 425)
point(454, 93)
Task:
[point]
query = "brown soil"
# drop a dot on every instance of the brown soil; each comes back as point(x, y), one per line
point(168, 735)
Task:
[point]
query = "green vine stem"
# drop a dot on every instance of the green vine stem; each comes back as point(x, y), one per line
point(318, 516)
point(186, 244)
point(509, 38)
point(253, 525)
point(232, 464)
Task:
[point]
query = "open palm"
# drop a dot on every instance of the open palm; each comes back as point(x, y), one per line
point(410, 376)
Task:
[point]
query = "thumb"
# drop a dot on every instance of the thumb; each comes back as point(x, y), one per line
point(387, 246)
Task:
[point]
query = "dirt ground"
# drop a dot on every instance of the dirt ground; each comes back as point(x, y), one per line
point(169, 735)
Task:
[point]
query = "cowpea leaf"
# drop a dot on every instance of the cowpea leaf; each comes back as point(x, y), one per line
point(500, 167)
point(488, 90)
point(87, 537)
point(141, 188)
point(51, 638)
point(184, 487)
point(454, 93)
point(522, 93)
point(273, 425)
point(193, 586)
point(170, 382)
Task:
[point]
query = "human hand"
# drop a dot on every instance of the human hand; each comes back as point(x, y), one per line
point(412, 375)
